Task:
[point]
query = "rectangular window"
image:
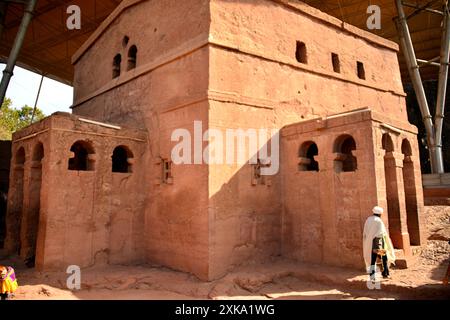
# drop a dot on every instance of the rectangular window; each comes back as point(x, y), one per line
point(166, 166)
point(300, 53)
point(361, 71)
point(336, 62)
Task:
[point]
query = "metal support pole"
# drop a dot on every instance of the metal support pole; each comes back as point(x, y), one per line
point(442, 84)
point(430, 63)
point(435, 59)
point(413, 68)
point(37, 99)
point(18, 42)
point(419, 8)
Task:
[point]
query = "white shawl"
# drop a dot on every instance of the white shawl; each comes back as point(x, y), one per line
point(374, 227)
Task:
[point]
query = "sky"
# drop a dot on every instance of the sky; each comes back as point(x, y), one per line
point(23, 88)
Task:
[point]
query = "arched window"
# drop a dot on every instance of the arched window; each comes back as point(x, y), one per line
point(125, 41)
point(344, 147)
point(20, 156)
point(121, 159)
point(386, 143)
point(82, 159)
point(132, 57)
point(306, 156)
point(38, 152)
point(406, 148)
point(116, 65)
point(300, 52)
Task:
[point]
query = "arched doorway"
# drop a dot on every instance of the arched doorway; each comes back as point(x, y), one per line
point(31, 223)
point(410, 194)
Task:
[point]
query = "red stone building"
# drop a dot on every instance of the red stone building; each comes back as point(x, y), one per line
point(98, 186)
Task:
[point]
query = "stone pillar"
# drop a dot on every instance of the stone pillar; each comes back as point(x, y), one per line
point(411, 200)
point(26, 206)
point(328, 206)
point(15, 207)
point(31, 211)
point(416, 200)
point(395, 193)
point(419, 200)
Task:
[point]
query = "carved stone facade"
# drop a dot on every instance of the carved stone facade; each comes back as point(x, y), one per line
point(158, 66)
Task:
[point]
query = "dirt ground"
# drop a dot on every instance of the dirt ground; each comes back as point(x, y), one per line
point(277, 279)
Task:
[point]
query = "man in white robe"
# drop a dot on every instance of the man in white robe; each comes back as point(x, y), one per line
point(376, 242)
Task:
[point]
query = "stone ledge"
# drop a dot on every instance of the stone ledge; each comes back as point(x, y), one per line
point(62, 121)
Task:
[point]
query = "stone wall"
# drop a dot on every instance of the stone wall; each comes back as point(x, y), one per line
point(5, 159)
point(166, 91)
point(235, 65)
point(63, 216)
point(324, 211)
point(159, 30)
point(257, 81)
point(254, 57)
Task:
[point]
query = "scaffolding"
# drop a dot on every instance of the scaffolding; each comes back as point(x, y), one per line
point(18, 42)
point(433, 128)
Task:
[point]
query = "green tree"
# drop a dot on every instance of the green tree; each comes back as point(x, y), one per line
point(12, 120)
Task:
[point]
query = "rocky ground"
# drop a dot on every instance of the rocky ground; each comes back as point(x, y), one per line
point(278, 279)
